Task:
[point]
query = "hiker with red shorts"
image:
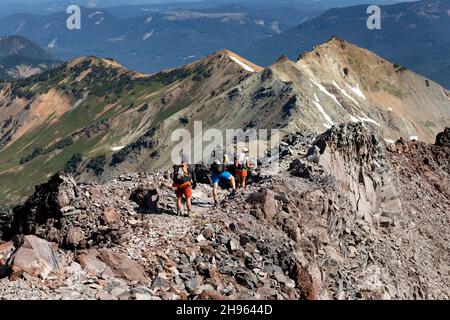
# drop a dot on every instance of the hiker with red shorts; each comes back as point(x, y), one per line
point(184, 180)
point(243, 165)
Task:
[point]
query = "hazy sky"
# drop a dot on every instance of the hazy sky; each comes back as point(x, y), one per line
point(100, 2)
point(109, 2)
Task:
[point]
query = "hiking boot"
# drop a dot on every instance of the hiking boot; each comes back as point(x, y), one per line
point(232, 194)
point(188, 214)
point(180, 213)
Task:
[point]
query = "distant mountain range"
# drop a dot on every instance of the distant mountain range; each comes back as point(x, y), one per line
point(154, 40)
point(415, 34)
point(21, 58)
point(152, 37)
point(54, 6)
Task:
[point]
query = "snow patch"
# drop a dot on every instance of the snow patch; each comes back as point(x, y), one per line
point(345, 93)
point(93, 14)
point(242, 64)
point(148, 35)
point(365, 118)
point(148, 20)
point(260, 22)
point(357, 91)
point(376, 163)
point(53, 44)
point(100, 21)
point(332, 96)
point(322, 111)
point(275, 26)
point(354, 119)
point(22, 25)
point(414, 138)
point(117, 148)
point(324, 90)
point(389, 141)
point(390, 109)
point(189, 57)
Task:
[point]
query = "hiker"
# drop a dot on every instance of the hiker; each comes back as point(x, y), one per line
point(243, 166)
point(218, 173)
point(184, 180)
point(229, 166)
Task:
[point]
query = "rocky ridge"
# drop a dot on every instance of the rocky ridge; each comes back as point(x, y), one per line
point(332, 225)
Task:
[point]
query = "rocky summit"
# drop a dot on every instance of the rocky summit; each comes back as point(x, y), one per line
point(348, 217)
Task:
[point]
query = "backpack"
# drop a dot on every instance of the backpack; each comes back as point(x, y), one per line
point(241, 163)
point(217, 168)
point(181, 174)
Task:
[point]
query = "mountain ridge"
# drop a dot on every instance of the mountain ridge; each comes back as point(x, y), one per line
point(101, 120)
point(424, 27)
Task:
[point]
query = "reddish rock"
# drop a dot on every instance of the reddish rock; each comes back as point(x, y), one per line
point(35, 257)
point(122, 266)
point(111, 216)
point(211, 295)
point(307, 282)
point(89, 261)
point(208, 233)
point(215, 276)
point(267, 203)
point(75, 237)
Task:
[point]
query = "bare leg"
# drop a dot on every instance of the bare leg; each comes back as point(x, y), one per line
point(189, 203)
point(244, 181)
point(189, 206)
point(179, 204)
point(233, 183)
point(215, 192)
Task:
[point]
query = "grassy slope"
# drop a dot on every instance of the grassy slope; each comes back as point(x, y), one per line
point(113, 95)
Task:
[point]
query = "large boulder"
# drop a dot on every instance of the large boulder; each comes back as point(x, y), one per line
point(146, 197)
point(106, 262)
point(122, 266)
point(46, 203)
point(265, 202)
point(35, 257)
point(353, 156)
point(63, 212)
